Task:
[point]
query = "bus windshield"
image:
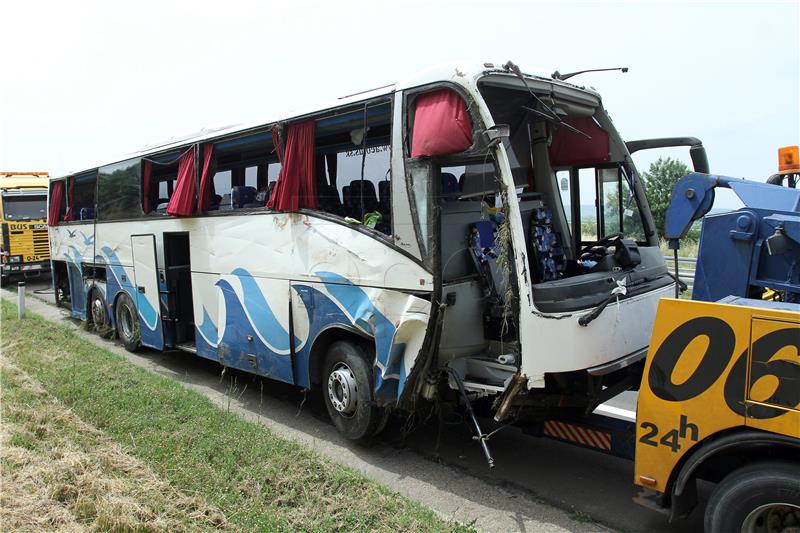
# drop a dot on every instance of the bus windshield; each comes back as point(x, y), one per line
point(25, 207)
point(565, 153)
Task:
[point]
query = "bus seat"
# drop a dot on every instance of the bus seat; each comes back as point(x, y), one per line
point(450, 188)
point(262, 195)
point(384, 194)
point(485, 251)
point(362, 192)
point(242, 195)
point(86, 213)
point(328, 199)
point(225, 203)
point(215, 200)
point(546, 244)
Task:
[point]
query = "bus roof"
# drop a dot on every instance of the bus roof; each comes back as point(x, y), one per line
point(461, 73)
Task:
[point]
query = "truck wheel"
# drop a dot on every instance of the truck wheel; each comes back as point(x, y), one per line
point(98, 316)
point(127, 323)
point(347, 388)
point(761, 497)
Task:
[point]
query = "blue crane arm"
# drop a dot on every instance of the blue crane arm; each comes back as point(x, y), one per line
point(693, 197)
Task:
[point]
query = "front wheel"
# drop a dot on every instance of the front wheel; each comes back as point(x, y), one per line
point(763, 497)
point(347, 383)
point(127, 323)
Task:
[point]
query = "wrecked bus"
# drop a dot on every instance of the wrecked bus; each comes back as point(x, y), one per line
point(471, 232)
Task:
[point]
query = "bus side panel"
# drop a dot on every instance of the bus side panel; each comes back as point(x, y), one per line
point(396, 321)
point(254, 330)
point(74, 244)
point(206, 300)
point(695, 382)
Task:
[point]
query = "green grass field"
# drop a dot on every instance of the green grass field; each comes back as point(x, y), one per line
point(117, 448)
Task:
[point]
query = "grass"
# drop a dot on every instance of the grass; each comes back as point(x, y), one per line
point(241, 474)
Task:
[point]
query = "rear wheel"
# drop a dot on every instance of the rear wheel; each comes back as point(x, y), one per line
point(347, 388)
point(98, 314)
point(762, 497)
point(127, 323)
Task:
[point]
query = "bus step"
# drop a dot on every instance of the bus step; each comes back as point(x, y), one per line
point(187, 347)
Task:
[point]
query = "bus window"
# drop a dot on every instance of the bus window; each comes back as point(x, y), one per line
point(242, 169)
point(343, 147)
point(81, 200)
point(118, 191)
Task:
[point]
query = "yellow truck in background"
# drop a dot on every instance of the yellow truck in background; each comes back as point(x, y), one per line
point(24, 249)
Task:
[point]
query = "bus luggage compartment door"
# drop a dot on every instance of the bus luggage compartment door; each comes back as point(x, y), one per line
point(145, 272)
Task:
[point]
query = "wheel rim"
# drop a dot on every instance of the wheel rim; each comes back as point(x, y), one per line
point(98, 312)
point(773, 518)
point(342, 390)
point(126, 322)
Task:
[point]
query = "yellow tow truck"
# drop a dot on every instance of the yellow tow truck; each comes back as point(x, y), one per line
point(24, 249)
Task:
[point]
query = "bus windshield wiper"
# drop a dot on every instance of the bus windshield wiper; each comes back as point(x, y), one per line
point(550, 115)
point(558, 121)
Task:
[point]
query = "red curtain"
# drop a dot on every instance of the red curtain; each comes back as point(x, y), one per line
point(56, 197)
point(206, 179)
point(70, 214)
point(296, 185)
point(441, 124)
point(147, 170)
point(182, 202)
point(569, 148)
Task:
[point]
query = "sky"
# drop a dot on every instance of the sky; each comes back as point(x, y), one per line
point(82, 83)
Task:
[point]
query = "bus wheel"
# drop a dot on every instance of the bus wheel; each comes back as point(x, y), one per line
point(3, 281)
point(761, 497)
point(98, 314)
point(347, 384)
point(127, 323)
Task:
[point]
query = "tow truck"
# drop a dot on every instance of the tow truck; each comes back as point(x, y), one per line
point(719, 398)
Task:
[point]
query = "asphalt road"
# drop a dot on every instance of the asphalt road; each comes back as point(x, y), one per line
point(593, 488)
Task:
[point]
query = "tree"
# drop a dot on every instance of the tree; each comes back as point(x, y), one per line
point(659, 180)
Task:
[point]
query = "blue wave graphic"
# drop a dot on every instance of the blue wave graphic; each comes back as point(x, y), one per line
point(235, 349)
point(208, 330)
point(263, 319)
point(146, 311)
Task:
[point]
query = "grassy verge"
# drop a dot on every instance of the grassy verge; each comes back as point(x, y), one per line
point(239, 474)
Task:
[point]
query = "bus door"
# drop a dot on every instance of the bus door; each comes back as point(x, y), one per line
point(145, 273)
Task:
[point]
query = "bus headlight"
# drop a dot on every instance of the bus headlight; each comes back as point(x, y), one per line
point(15, 259)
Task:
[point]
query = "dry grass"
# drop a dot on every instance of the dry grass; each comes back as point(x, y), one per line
point(113, 447)
point(59, 473)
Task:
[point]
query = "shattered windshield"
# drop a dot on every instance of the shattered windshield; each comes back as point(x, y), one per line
point(562, 156)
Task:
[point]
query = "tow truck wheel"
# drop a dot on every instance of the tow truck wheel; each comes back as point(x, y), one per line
point(127, 323)
point(763, 497)
point(98, 314)
point(347, 389)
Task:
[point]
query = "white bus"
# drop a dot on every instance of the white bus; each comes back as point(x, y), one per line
point(451, 235)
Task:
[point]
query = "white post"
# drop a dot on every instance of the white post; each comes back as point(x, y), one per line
point(21, 300)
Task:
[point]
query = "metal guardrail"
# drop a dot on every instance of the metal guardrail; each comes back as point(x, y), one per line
point(686, 266)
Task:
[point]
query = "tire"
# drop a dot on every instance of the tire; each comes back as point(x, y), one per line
point(4, 281)
point(754, 497)
point(347, 386)
point(98, 314)
point(127, 323)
